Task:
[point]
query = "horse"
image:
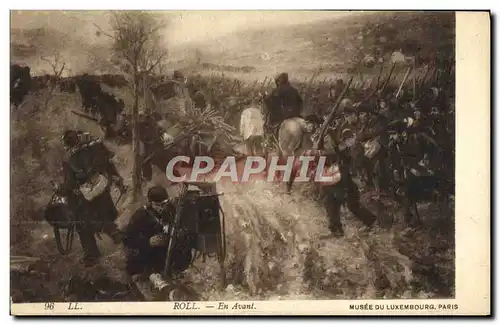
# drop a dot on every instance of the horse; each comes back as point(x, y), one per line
point(295, 136)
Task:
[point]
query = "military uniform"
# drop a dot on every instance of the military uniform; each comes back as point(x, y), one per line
point(147, 222)
point(341, 191)
point(376, 166)
point(149, 135)
point(345, 192)
point(20, 83)
point(89, 157)
point(284, 102)
point(199, 100)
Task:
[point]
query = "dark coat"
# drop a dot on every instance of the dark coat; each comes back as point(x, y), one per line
point(142, 257)
point(20, 83)
point(283, 103)
point(89, 91)
point(89, 158)
point(109, 106)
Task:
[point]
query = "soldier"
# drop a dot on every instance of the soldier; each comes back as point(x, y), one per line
point(108, 108)
point(89, 90)
point(89, 173)
point(20, 83)
point(283, 103)
point(197, 95)
point(342, 190)
point(199, 100)
point(149, 135)
point(183, 102)
point(147, 241)
point(337, 89)
point(378, 164)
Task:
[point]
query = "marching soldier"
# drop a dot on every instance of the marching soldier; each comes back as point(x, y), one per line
point(89, 173)
point(342, 190)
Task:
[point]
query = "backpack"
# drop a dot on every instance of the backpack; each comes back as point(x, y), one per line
point(88, 161)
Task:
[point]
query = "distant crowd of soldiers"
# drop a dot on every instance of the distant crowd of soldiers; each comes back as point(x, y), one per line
point(402, 147)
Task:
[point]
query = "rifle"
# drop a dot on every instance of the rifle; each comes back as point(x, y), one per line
point(403, 82)
point(176, 141)
point(88, 117)
point(320, 140)
point(172, 230)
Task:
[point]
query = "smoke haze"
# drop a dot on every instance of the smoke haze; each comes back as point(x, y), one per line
point(185, 26)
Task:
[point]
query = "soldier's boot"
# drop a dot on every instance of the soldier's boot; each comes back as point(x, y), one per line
point(354, 205)
point(113, 232)
point(141, 287)
point(89, 246)
point(333, 213)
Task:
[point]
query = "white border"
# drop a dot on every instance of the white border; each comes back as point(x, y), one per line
point(212, 5)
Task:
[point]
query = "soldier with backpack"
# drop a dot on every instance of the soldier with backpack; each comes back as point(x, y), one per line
point(88, 175)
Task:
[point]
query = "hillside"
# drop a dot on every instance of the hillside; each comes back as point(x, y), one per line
point(275, 248)
point(259, 53)
point(29, 46)
point(332, 44)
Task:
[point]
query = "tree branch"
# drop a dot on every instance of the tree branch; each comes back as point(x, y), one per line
point(162, 56)
point(103, 32)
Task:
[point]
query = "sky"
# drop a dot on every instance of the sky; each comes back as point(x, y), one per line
point(185, 31)
point(197, 26)
point(185, 27)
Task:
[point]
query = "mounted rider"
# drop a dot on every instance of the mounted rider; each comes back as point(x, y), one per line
point(283, 103)
point(88, 173)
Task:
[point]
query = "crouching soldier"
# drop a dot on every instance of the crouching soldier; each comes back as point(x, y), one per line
point(147, 239)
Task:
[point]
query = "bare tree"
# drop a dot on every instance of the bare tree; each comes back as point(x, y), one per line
point(137, 49)
point(58, 65)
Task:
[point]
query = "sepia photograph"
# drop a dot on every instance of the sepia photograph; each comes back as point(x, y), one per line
point(217, 159)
